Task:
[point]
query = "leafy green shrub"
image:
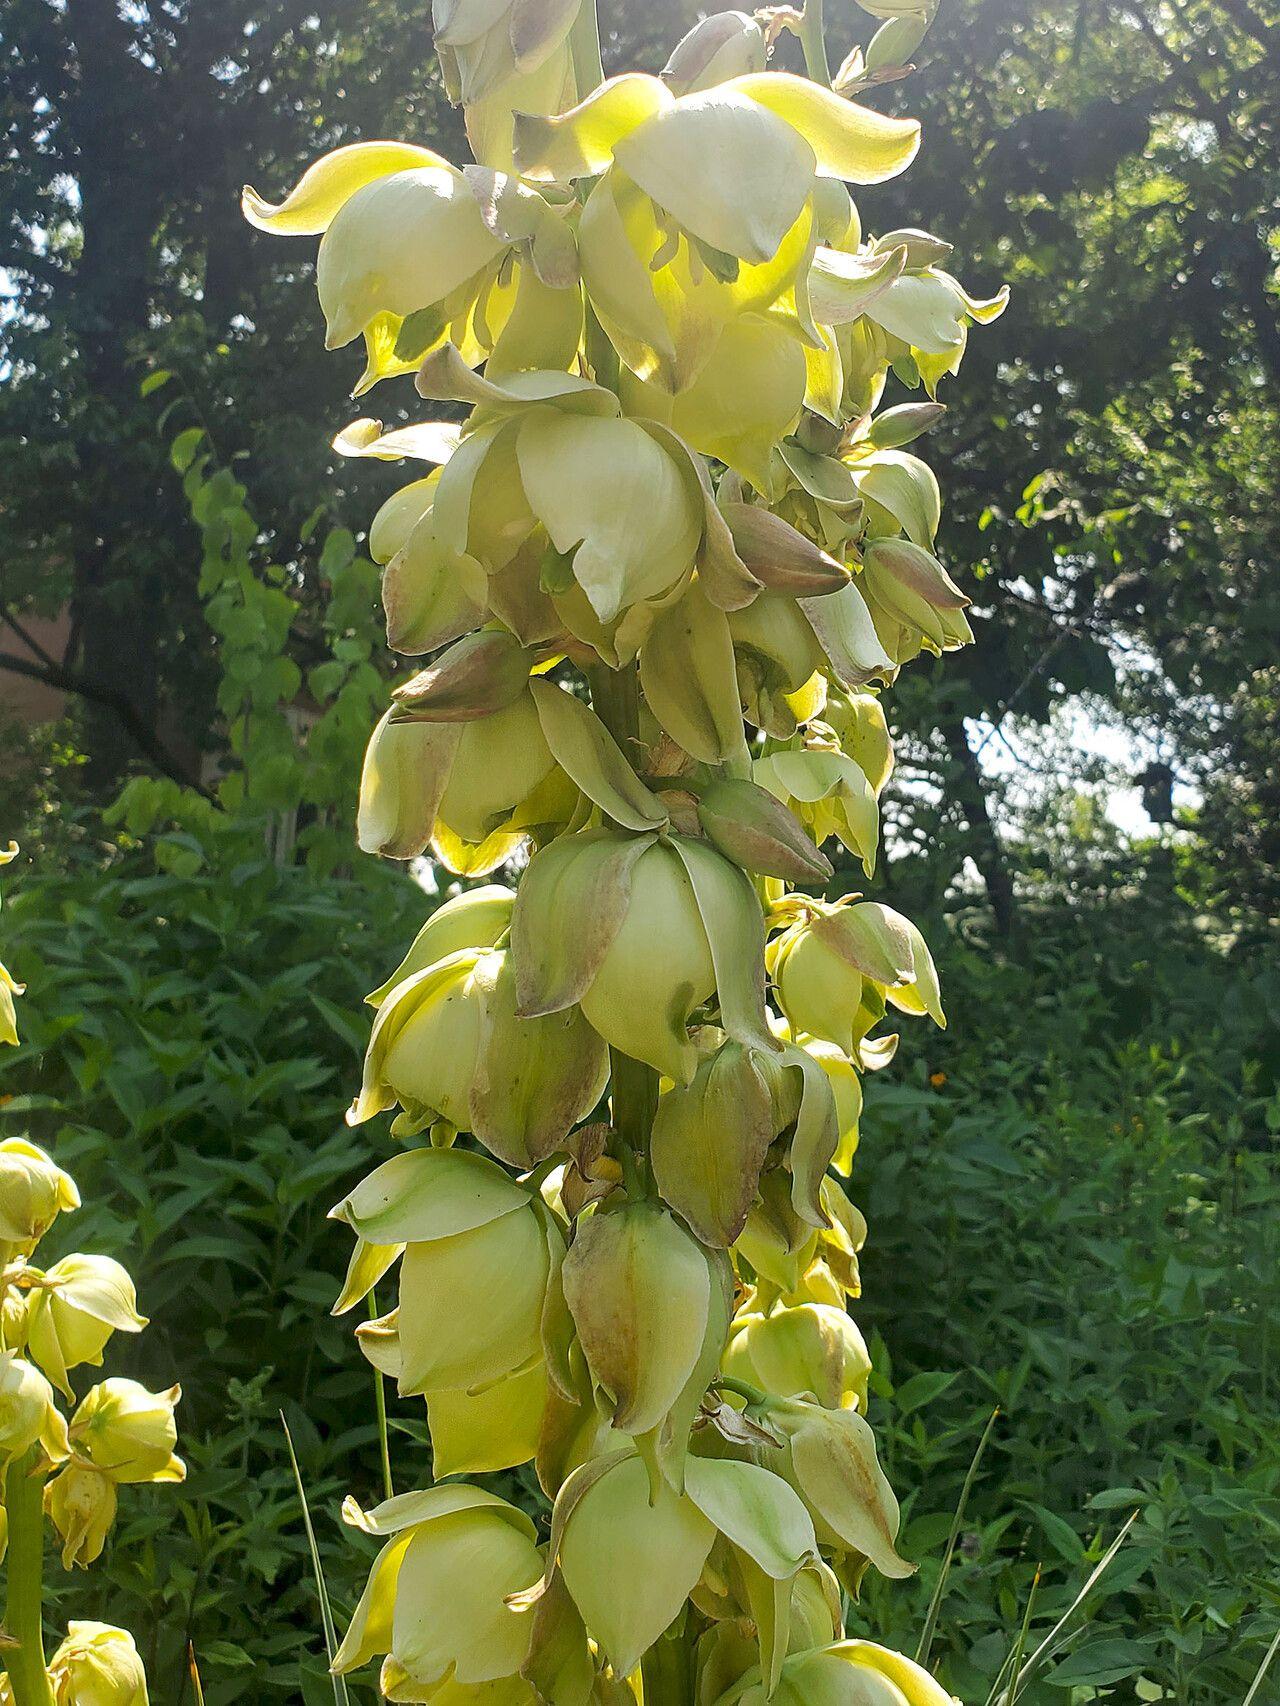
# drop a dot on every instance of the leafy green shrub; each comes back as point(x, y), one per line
point(188, 1047)
point(1096, 1248)
point(1095, 1253)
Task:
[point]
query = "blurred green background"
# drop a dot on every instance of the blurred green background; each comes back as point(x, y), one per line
point(1072, 1194)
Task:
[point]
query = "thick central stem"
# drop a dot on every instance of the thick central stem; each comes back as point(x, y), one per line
point(615, 694)
point(667, 1672)
point(24, 1503)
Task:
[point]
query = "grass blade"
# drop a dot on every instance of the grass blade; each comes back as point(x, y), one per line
point(1263, 1668)
point(931, 1617)
point(194, 1672)
point(340, 1694)
point(1013, 1659)
point(1023, 1676)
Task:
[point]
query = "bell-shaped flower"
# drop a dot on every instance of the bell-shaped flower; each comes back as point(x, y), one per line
point(747, 395)
point(809, 1348)
point(639, 1289)
point(926, 314)
point(789, 1259)
point(430, 595)
point(669, 256)
point(734, 1646)
point(74, 1308)
point(630, 1555)
point(485, 45)
point(501, 57)
point(28, 1414)
point(448, 1044)
point(33, 1192)
point(97, 1665)
point(473, 791)
point(435, 1605)
point(129, 1433)
point(829, 1457)
point(625, 506)
point(477, 918)
point(846, 1087)
point(885, 302)
point(836, 965)
point(9, 985)
point(899, 493)
point(786, 650)
point(81, 1503)
point(641, 932)
point(829, 793)
point(479, 1253)
point(847, 1673)
point(479, 1433)
point(711, 1138)
point(413, 252)
point(914, 603)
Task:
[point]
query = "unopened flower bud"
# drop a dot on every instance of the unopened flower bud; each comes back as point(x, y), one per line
point(752, 826)
point(829, 1457)
point(723, 46)
point(779, 556)
point(922, 249)
point(436, 1600)
point(97, 1666)
point(639, 1289)
point(128, 1432)
point(32, 1194)
point(478, 675)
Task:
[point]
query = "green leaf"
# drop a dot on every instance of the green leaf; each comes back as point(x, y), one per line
point(182, 452)
point(1098, 1663)
point(921, 1389)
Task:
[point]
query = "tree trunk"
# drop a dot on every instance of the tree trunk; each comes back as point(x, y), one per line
point(115, 596)
point(986, 851)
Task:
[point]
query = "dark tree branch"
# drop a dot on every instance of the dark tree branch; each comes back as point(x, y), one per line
point(70, 681)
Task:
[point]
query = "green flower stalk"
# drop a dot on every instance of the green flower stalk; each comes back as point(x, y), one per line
point(654, 586)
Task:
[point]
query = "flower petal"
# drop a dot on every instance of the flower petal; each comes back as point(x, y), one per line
point(851, 142)
point(331, 181)
point(581, 142)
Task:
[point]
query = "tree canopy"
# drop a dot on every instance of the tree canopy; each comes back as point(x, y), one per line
point(1114, 451)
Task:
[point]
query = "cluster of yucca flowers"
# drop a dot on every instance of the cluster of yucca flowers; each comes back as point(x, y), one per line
point(54, 1320)
point(659, 573)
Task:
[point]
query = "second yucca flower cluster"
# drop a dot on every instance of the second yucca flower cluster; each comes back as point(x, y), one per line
point(52, 1321)
point(660, 575)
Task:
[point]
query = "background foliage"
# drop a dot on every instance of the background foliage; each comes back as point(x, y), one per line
point(1110, 457)
point(1073, 1210)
